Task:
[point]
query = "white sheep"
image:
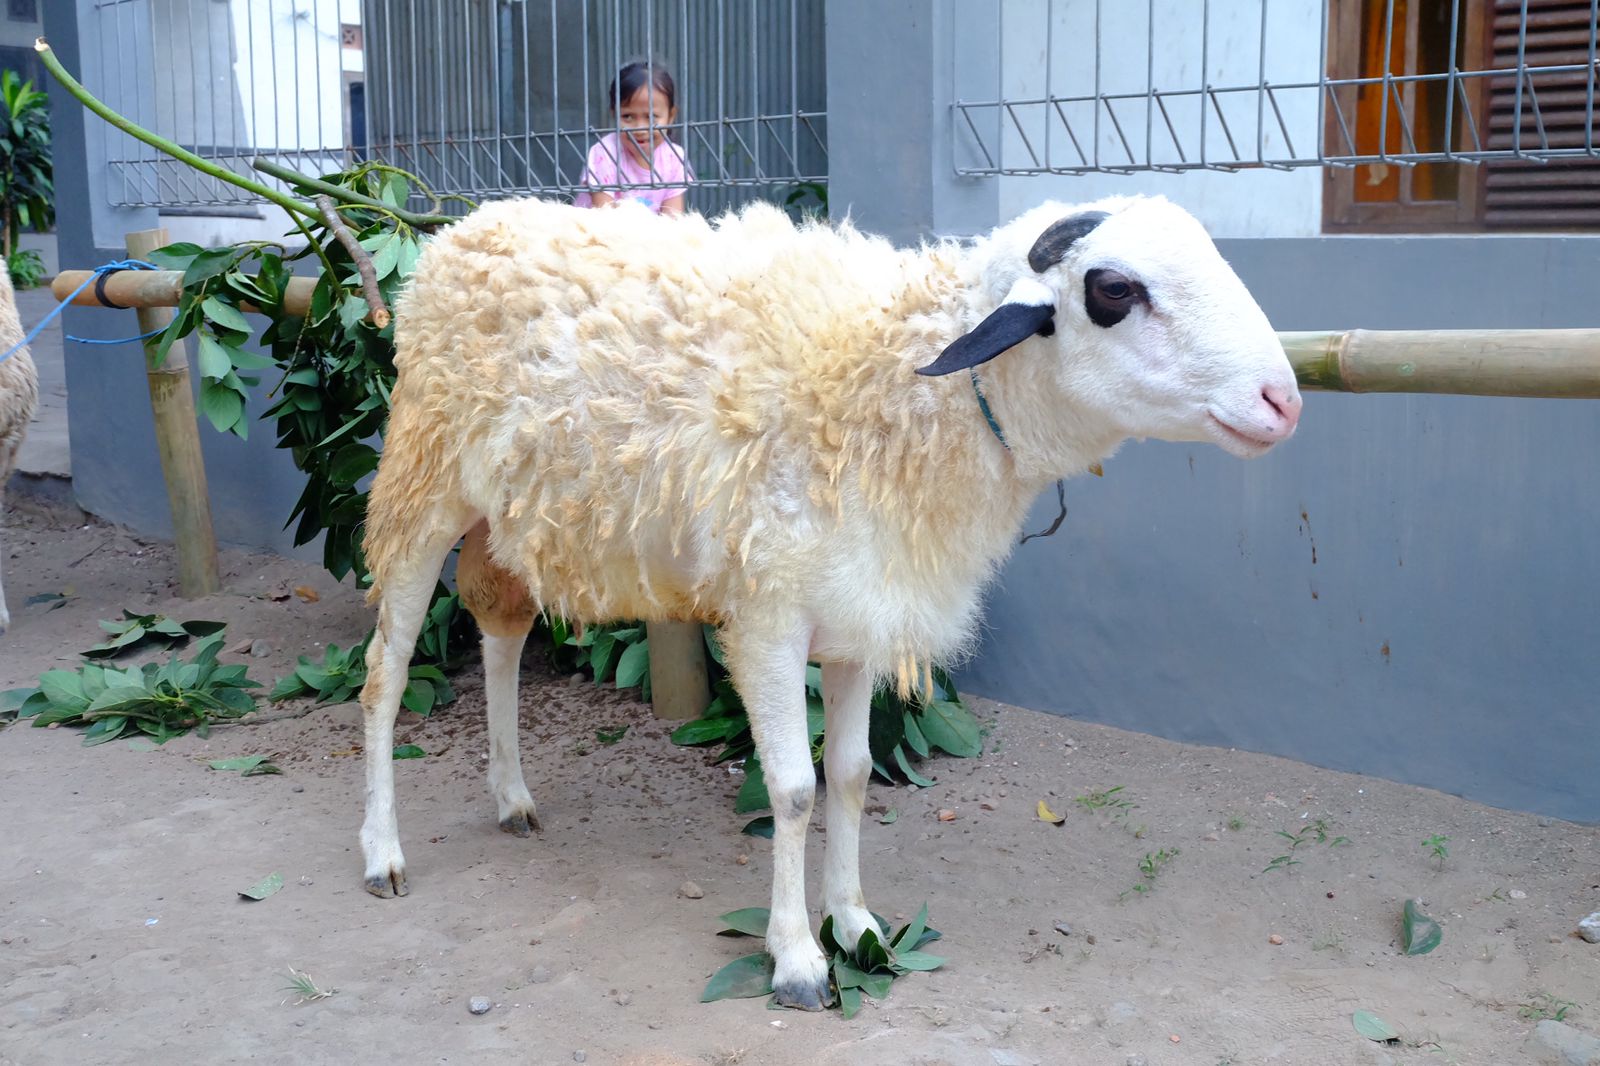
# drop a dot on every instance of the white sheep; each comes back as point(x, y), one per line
point(19, 394)
point(749, 423)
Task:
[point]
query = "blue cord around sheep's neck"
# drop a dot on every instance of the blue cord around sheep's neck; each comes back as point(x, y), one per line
point(994, 424)
point(988, 414)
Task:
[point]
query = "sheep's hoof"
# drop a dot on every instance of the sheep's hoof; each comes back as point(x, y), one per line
point(521, 823)
point(388, 885)
point(804, 995)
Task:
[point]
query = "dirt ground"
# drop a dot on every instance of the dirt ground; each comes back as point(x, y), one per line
point(123, 938)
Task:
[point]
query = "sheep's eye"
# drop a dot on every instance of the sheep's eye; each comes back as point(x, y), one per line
point(1116, 290)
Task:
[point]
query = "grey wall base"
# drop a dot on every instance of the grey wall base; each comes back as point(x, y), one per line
point(1408, 588)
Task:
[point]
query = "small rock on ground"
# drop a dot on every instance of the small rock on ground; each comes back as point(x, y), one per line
point(690, 890)
point(479, 1005)
point(1558, 1044)
point(1589, 928)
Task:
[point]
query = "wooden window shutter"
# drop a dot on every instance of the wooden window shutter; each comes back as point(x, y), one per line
point(1562, 194)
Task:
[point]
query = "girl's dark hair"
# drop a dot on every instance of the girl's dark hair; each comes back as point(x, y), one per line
point(635, 76)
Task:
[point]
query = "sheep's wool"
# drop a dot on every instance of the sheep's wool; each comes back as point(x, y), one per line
point(672, 418)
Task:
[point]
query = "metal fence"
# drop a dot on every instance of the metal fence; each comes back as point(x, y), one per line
point(480, 98)
point(1171, 85)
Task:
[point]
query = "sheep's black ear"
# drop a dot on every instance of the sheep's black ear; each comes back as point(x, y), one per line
point(1053, 243)
point(1028, 309)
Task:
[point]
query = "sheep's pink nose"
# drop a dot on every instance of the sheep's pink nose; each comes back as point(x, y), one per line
point(1285, 403)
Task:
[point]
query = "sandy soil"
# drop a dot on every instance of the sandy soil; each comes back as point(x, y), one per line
point(123, 938)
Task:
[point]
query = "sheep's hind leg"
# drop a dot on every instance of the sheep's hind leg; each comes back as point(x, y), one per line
point(499, 602)
point(769, 672)
point(406, 591)
point(847, 700)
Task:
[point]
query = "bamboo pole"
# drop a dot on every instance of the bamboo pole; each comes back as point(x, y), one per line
point(160, 288)
point(178, 441)
point(679, 690)
point(1558, 363)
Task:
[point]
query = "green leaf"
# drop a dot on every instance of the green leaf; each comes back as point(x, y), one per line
point(877, 985)
point(352, 309)
point(760, 827)
point(214, 361)
point(202, 628)
point(288, 688)
point(871, 951)
point(743, 978)
point(13, 698)
point(220, 404)
point(174, 256)
point(890, 816)
point(352, 463)
point(917, 960)
point(706, 730)
point(849, 1002)
point(225, 316)
point(386, 258)
point(409, 751)
point(1373, 1027)
point(63, 688)
point(208, 264)
point(264, 887)
point(118, 696)
point(243, 763)
point(608, 737)
point(419, 696)
point(913, 930)
point(915, 778)
point(952, 728)
point(634, 666)
point(846, 975)
point(1419, 934)
point(913, 735)
point(753, 793)
point(103, 730)
point(751, 921)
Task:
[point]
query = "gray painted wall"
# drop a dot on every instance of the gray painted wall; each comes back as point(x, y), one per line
point(1405, 589)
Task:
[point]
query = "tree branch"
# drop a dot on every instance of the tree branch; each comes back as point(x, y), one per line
point(363, 261)
point(349, 196)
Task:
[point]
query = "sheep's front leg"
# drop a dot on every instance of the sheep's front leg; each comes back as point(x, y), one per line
point(847, 698)
point(769, 672)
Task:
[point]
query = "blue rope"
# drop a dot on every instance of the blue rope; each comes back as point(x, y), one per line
point(94, 276)
point(988, 415)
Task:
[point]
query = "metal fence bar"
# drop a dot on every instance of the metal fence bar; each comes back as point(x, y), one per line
point(1305, 106)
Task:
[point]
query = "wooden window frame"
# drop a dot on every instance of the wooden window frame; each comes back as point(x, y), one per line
point(1341, 211)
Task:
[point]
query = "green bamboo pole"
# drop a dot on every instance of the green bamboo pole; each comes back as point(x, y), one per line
point(1558, 363)
point(47, 56)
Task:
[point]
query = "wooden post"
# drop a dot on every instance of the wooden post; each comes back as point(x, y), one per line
point(678, 687)
point(178, 440)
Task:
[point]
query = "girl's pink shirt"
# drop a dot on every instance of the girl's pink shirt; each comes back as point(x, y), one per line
point(671, 173)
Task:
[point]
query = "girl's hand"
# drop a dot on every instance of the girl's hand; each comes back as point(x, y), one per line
point(603, 199)
point(674, 205)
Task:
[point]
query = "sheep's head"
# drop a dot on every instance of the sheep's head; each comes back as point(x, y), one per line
point(1144, 322)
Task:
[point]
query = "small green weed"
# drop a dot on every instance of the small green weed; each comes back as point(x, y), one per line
point(1150, 868)
point(304, 988)
point(1437, 845)
point(1316, 832)
point(1544, 1006)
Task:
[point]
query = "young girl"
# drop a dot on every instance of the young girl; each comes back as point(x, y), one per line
point(644, 103)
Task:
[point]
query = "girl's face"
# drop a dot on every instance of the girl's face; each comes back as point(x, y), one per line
point(638, 112)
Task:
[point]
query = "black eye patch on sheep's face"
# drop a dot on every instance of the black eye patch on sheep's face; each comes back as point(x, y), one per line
point(1108, 296)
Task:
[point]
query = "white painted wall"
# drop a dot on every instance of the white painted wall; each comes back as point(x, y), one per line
point(1159, 43)
point(288, 66)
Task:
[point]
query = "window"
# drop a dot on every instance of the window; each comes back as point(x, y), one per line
point(1398, 38)
point(22, 10)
